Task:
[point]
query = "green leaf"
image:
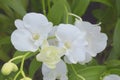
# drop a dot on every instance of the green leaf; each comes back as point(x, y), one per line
point(3, 56)
point(6, 23)
point(106, 2)
point(36, 5)
point(6, 9)
point(1, 76)
point(19, 53)
point(15, 5)
point(115, 54)
point(80, 6)
point(57, 12)
point(118, 7)
point(89, 73)
point(114, 71)
point(34, 66)
point(112, 63)
point(4, 40)
point(3, 17)
point(92, 73)
point(24, 3)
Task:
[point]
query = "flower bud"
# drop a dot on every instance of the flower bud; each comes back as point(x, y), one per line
point(8, 68)
point(26, 78)
point(15, 68)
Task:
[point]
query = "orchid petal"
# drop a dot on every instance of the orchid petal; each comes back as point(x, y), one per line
point(58, 73)
point(112, 77)
point(22, 42)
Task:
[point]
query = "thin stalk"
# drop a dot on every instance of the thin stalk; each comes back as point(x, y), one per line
point(51, 37)
point(66, 10)
point(75, 16)
point(22, 64)
point(43, 5)
point(48, 2)
point(81, 77)
point(16, 75)
point(15, 58)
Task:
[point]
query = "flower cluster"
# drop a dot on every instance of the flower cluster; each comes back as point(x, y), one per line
point(76, 43)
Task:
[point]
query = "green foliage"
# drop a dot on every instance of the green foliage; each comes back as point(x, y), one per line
point(89, 73)
point(116, 42)
point(36, 6)
point(58, 10)
point(108, 13)
point(106, 2)
point(5, 40)
point(4, 56)
point(112, 63)
point(15, 5)
point(19, 53)
point(118, 7)
point(115, 71)
point(80, 6)
point(34, 66)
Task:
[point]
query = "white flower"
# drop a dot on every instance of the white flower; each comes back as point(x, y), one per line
point(73, 40)
point(51, 37)
point(87, 59)
point(60, 72)
point(50, 55)
point(112, 77)
point(97, 41)
point(30, 32)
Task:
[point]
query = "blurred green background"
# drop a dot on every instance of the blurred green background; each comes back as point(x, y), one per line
point(105, 11)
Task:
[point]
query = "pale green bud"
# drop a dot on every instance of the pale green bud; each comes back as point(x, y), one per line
point(15, 68)
point(26, 78)
point(8, 68)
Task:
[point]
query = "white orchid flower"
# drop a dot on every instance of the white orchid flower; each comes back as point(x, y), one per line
point(51, 37)
point(50, 55)
point(87, 59)
point(112, 77)
point(30, 32)
point(60, 72)
point(73, 40)
point(97, 40)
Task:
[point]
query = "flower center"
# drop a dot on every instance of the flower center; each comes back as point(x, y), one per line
point(67, 45)
point(36, 36)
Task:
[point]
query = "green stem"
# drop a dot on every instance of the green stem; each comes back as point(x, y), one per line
point(81, 77)
point(51, 37)
point(48, 5)
point(66, 14)
point(16, 75)
point(75, 16)
point(18, 57)
point(43, 5)
point(22, 64)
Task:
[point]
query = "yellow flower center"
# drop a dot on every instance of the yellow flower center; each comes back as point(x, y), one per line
point(67, 45)
point(36, 36)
